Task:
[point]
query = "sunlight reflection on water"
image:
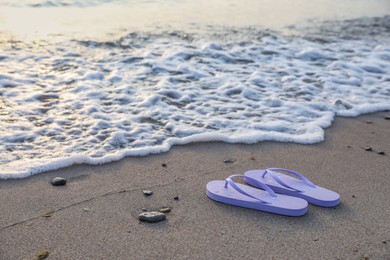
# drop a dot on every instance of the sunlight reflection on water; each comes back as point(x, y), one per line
point(102, 18)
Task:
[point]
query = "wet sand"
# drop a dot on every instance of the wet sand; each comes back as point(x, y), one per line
point(95, 215)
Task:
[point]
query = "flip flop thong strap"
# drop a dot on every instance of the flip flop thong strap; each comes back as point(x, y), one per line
point(237, 188)
point(278, 180)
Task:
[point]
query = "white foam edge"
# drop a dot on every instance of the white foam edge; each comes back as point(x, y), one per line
point(315, 136)
point(246, 138)
point(363, 109)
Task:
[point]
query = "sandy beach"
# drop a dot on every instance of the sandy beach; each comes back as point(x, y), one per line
point(95, 215)
point(96, 81)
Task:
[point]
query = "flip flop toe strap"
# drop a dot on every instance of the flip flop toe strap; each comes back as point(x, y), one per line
point(237, 188)
point(278, 180)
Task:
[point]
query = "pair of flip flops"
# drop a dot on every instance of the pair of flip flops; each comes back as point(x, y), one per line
point(273, 191)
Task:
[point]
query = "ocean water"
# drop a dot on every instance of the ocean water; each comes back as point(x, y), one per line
point(67, 97)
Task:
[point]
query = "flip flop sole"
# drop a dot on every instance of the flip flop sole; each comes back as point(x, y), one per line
point(281, 204)
point(318, 196)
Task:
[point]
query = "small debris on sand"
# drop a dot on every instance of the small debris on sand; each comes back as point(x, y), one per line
point(368, 148)
point(147, 192)
point(152, 217)
point(176, 198)
point(165, 210)
point(48, 214)
point(163, 165)
point(229, 161)
point(381, 153)
point(43, 254)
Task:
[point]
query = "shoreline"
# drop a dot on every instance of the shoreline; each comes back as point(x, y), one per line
point(95, 214)
point(86, 160)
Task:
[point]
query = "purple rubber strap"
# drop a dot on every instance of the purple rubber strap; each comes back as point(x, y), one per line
point(235, 186)
point(300, 176)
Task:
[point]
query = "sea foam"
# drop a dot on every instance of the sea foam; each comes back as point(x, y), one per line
point(95, 102)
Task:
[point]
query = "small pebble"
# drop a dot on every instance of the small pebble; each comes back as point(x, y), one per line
point(387, 117)
point(381, 153)
point(368, 122)
point(165, 210)
point(58, 181)
point(176, 198)
point(144, 209)
point(353, 196)
point(152, 217)
point(48, 214)
point(229, 161)
point(43, 254)
point(163, 165)
point(147, 192)
point(367, 148)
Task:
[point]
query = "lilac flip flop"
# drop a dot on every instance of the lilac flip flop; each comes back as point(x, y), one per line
point(237, 194)
point(298, 187)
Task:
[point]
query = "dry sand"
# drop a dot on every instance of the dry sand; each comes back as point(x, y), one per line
point(95, 215)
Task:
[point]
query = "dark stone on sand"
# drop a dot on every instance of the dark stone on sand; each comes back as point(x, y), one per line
point(165, 210)
point(353, 196)
point(144, 209)
point(368, 122)
point(147, 192)
point(152, 217)
point(176, 198)
point(58, 181)
point(163, 165)
point(229, 161)
point(367, 148)
point(387, 117)
point(381, 153)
